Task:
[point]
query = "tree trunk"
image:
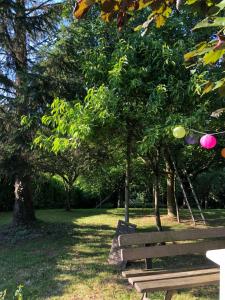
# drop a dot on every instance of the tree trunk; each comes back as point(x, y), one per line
point(68, 183)
point(68, 199)
point(127, 177)
point(153, 163)
point(156, 202)
point(20, 47)
point(23, 213)
point(120, 198)
point(206, 203)
point(170, 195)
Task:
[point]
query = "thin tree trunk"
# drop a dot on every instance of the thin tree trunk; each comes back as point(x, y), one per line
point(68, 199)
point(170, 195)
point(127, 177)
point(120, 199)
point(156, 190)
point(176, 202)
point(152, 162)
point(206, 203)
point(156, 202)
point(170, 182)
point(68, 182)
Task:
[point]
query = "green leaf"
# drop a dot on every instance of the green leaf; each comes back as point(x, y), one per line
point(56, 145)
point(208, 88)
point(201, 49)
point(190, 2)
point(217, 8)
point(24, 120)
point(213, 56)
point(219, 83)
point(211, 22)
point(46, 120)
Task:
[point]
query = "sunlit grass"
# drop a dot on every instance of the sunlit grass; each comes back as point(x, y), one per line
point(67, 257)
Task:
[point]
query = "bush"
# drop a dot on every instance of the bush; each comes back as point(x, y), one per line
point(49, 192)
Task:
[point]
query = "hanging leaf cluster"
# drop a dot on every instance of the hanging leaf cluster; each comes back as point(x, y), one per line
point(211, 52)
point(122, 9)
point(206, 52)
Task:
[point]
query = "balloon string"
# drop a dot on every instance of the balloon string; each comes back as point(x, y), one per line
point(214, 133)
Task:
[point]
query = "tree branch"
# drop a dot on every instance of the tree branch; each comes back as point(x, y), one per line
point(7, 82)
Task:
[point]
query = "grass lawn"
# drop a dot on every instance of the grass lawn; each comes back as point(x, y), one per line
point(66, 256)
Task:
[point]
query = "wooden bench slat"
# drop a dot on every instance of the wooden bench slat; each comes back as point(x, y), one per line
point(141, 272)
point(177, 283)
point(166, 236)
point(176, 274)
point(146, 272)
point(171, 250)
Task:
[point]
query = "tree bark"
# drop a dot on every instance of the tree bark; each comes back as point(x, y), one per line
point(23, 213)
point(127, 176)
point(23, 209)
point(120, 198)
point(156, 202)
point(68, 199)
point(69, 188)
point(19, 54)
point(69, 182)
point(170, 195)
point(152, 162)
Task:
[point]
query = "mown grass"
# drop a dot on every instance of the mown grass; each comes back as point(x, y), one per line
point(65, 256)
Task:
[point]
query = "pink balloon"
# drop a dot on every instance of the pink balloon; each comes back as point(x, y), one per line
point(208, 141)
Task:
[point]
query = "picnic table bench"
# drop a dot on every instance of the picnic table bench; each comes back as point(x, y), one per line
point(139, 246)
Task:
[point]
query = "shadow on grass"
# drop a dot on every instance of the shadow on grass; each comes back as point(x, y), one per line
point(209, 292)
point(50, 257)
point(79, 214)
point(54, 259)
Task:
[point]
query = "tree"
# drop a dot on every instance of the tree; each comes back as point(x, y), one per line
point(67, 165)
point(130, 111)
point(206, 52)
point(24, 26)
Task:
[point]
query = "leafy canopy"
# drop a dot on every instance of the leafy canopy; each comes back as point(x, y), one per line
point(212, 11)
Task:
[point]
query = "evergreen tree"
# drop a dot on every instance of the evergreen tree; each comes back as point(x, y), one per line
point(24, 26)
